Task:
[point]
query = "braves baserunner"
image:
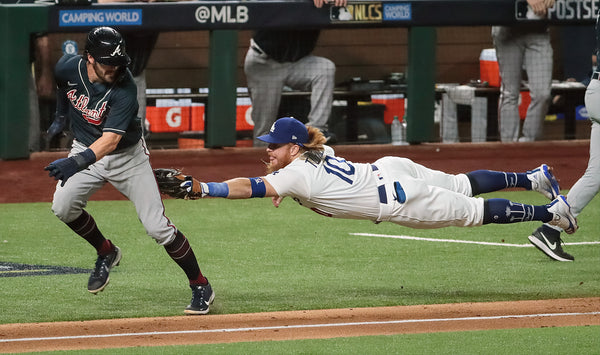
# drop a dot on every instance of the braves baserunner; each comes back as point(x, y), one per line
point(96, 93)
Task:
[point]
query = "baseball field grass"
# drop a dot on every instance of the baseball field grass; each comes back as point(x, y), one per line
point(260, 258)
point(559, 341)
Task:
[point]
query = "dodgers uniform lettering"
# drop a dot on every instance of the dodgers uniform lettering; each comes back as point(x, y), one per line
point(333, 187)
point(339, 167)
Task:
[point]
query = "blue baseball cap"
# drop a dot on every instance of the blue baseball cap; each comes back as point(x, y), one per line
point(286, 130)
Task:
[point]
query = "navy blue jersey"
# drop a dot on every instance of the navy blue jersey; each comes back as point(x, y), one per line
point(94, 108)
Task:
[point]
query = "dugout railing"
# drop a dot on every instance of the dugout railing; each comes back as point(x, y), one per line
point(223, 19)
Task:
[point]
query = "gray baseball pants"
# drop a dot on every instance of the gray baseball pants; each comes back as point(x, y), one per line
point(518, 49)
point(588, 185)
point(266, 79)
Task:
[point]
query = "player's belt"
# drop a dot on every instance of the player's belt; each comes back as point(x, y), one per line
point(380, 185)
point(596, 75)
point(121, 150)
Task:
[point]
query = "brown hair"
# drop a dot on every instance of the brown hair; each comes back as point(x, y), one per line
point(313, 149)
point(316, 139)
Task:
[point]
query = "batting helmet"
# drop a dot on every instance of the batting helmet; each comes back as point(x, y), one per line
point(107, 46)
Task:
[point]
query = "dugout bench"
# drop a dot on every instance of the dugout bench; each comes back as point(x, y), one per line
point(484, 109)
point(223, 19)
point(358, 116)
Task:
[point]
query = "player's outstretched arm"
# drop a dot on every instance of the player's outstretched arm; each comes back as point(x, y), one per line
point(174, 183)
point(242, 187)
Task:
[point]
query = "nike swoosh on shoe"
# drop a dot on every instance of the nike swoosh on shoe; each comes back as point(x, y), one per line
point(551, 245)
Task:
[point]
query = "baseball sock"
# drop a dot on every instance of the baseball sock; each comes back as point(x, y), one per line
point(483, 181)
point(181, 252)
point(499, 210)
point(86, 227)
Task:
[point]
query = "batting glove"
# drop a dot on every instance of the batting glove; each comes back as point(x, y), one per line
point(62, 169)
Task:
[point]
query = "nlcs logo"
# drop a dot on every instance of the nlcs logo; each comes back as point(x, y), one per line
point(357, 12)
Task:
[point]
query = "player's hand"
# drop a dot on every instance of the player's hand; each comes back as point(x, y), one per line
point(538, 7)
point(339, 3)
point(62, 169)
point(276, 200)
point(549, 3)
point(188, 186)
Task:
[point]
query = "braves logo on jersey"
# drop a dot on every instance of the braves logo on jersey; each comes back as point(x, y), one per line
point(80, 103)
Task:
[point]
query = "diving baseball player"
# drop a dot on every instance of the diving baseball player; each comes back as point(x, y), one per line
point(391, 189)
point(97, 93)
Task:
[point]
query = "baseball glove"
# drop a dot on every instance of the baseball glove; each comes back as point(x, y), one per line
point(174, 183)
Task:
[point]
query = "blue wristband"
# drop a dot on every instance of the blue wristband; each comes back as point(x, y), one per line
point(218, 189)
point(258, 187)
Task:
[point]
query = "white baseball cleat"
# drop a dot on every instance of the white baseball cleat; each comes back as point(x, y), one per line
point(543, 181)
point(562, 216)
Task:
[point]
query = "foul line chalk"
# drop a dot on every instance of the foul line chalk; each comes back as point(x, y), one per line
point(408, 237)
point(282, 327)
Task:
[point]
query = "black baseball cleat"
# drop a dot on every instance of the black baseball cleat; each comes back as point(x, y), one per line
point(548, 241)
point(202, 297)
point(99, 277)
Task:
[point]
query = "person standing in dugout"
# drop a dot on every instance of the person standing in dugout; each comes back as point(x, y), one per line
point(97, 93)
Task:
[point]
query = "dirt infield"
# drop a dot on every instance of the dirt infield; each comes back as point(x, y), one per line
point(25, 181)
point(330, 323)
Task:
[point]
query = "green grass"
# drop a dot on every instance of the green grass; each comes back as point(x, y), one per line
point(566, 340)
point(260, 258)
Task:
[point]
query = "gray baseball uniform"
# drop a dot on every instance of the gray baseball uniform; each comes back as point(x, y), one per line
point(584, 190)
point(282, 58)
point(94, 109)
point(97, 92)
point(523, 47)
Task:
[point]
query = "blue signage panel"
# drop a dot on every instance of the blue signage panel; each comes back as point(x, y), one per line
point(100, 17)
point(397, 12)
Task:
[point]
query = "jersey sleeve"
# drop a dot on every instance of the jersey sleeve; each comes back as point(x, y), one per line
point(123, 109)
point(61, 72)
point(289, 181)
